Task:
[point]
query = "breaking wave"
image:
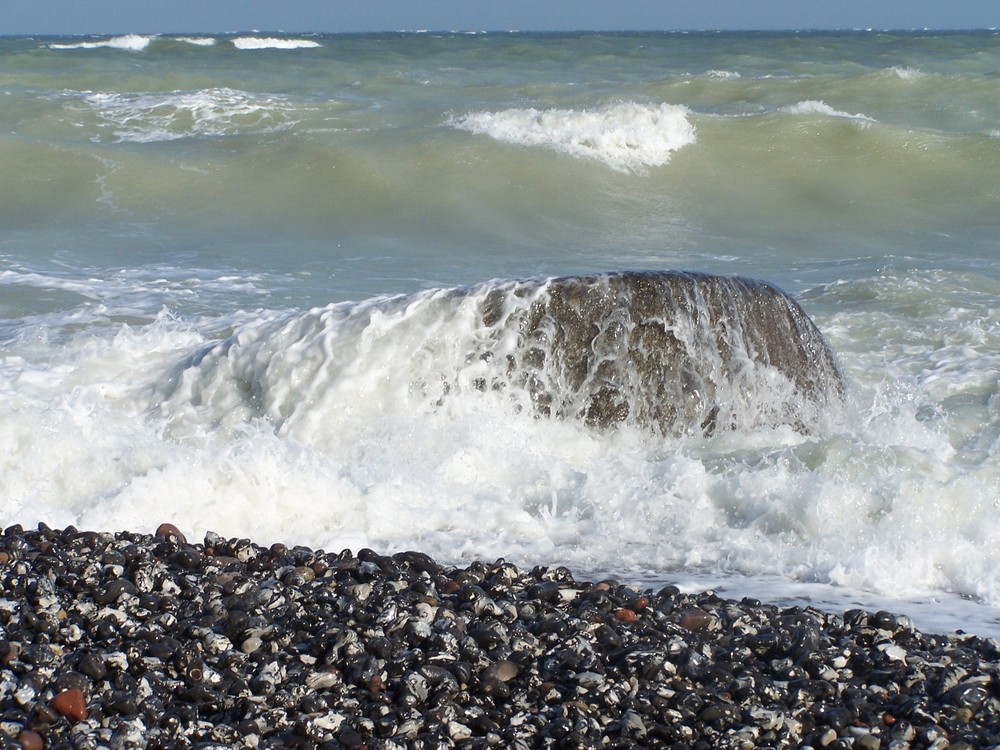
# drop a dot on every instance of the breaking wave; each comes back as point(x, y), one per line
point(627, 136)
point(675, 353)
point(253, 42)
point(814, 107)
point(206, 113)
point(129, 42)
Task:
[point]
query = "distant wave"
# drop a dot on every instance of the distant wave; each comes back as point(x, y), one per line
point(253, 42)
point(199, 41)
point(129, 42)
point(627, 136)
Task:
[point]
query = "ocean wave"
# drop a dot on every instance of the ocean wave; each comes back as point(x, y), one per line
point(905, 73)
point(199, 41)
point(627, 136)
point(254, 42)
point(129, 42)
point(206, 113)
point(673, 353)
point(818, 107)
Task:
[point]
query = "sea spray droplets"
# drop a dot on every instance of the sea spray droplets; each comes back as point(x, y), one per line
point(674, 353)
point(627, 137)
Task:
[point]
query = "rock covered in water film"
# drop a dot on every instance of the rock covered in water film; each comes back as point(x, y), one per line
point(678, 352)
point(674, 353)
point(399, 651)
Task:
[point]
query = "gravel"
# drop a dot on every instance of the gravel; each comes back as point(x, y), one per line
point(128, 640)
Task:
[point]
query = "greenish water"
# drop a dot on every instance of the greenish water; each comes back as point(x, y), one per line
point(158, 193)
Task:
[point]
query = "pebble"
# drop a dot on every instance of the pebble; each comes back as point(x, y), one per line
point(136, 640)
point(170, 533)
point(71, 704)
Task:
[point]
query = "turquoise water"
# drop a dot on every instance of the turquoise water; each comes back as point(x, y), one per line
point(158, 194)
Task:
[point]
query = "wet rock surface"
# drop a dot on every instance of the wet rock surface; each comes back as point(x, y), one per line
point(678, 352)
point(128, 640)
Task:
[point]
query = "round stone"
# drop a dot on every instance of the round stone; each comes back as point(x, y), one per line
point(170, 533)
point(71, 704)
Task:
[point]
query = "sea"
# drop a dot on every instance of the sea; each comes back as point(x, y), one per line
point(239, 277)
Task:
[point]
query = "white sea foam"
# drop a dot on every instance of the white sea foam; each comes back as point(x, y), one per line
point(908, 74)
point(626, 136)
point(723, 74)
point(198, 41)
point(129, 42)
point(254, 42)
point(207, 113)
point(815, 107)
point(346, 403)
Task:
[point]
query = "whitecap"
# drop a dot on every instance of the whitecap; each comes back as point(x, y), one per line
point(626, 136)
point(907, 73)
point(200, 41)
point(818, 107)
point(129, 42)
point(253, 42)
point(205, 113)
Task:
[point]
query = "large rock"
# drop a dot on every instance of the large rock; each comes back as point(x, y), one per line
point(681, 353)
point(675, 353)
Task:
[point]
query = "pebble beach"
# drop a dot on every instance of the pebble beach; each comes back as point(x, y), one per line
point(130, 640)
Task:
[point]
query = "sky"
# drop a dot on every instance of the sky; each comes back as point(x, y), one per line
point(215, 16)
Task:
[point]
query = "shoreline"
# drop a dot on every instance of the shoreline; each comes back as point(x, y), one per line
point(146, 640)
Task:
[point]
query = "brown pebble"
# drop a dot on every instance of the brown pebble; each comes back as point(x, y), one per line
point(70, 703)
point(4, 558)
point(170, 532)
point(695, 619)
point(376, 684)
point(30, 740)
point(626, 615)
point(640, 604)
point(450, 587)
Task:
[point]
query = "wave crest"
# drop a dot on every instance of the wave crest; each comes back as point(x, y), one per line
point(819, 107)
point(129, 42)
point(255, 42)
point(627, 136)
point(207, 113)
